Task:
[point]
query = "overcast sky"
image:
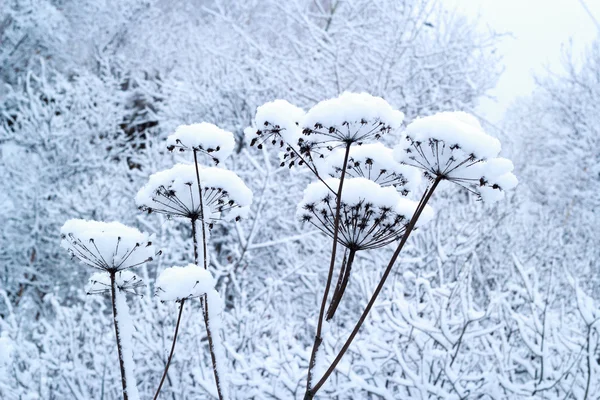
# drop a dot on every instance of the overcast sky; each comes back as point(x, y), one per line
point(540, 28)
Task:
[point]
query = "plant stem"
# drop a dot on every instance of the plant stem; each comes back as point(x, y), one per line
point(211, 345)
point(204, 298)
point(341, 287)
point(172, 351)
point(310, 393)
point(336, 224)
point(113, 292)
point(201, 213)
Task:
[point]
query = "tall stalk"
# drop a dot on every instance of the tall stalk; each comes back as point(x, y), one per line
point(342, 283)
point(113, 292)
point(336, 224)
point(310, 393)
point(172, 350)
point(204, 299)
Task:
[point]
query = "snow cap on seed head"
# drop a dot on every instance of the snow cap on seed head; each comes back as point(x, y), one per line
point(180, 283)
point(174, 192)
point(108, 246)
point(205, 138)
point(453, 146)
point(372, 216)
point(375, 162)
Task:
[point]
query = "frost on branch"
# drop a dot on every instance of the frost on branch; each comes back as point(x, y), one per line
point(109, 246)
point(349, 118)
point(126, 281)
point(375, 162)
point(203, 137)
point(371, 216)
point(174, 192)
point(452, 146)
point(180, 283)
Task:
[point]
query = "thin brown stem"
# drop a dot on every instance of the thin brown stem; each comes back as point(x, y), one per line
point(201, 211)
point(336, 224)
point(113, 292)
point(310, 393)
point(172, 350)
point(211, 346)
point(343, 283)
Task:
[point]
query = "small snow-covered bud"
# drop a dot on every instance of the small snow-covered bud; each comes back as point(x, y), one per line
point(109, 246)
point(126, 281)
point(276, 122)
point(180, 283)
point(207, 138)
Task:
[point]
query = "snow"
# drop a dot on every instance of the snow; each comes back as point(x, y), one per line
point(372, 216)
point(278, 118)
point(454, 147)
point(174, 192)
point(179, 283)
point(205, 137)
point(6, 349)
point(215, 311)
point(99, 282)
point(352, 108)
point(373, 161)
point(109, 246)
point(454, 128)
point(124, 322)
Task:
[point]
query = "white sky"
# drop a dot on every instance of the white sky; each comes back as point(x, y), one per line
point(540, 29)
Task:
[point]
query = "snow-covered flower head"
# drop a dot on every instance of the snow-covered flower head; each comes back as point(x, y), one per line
point(453, 146)
point(126, 281)
point(375, 162)
point(108, 246)
point(205, 138)
point(349, 118)
point(371, 216)
point(276, 122)
point(174, 192)
point(180, 283)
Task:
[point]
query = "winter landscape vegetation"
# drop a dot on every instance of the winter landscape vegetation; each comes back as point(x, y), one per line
point(220, 199)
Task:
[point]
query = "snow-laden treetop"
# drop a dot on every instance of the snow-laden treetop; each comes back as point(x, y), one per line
point(373, 161)
point(179, 283)
point(127, 281)
point(203, 137)
point(453, 146)
point(371, 215)
point(109, 246)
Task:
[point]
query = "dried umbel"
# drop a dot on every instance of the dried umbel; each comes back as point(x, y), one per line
point(204, 138)
point(349, 118)
point(374, 162)
point(126, 281)
point(174, 192)
point(108, 246)
point(181, 283)
point(371, 216)
point(452, 146)
point(276, 123)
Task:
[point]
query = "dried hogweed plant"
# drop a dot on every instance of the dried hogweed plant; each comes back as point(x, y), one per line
point(200, 195)
point(363, 205)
